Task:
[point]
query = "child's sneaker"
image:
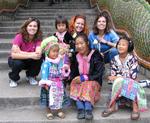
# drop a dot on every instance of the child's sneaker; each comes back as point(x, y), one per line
point(12, 84)
point(32, 80)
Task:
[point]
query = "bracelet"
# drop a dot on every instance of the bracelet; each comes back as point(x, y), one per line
point(82, 78)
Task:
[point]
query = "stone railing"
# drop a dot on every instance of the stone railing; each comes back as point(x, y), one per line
point(8, 8)
point(133, 16)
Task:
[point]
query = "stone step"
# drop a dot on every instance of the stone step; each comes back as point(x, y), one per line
point(16, 28)
point(55, 10)
point(36, 114)
point(44, 28)
point(49, 17)
point(43, 23)
point(62, 6)
point(5, 44)
point(3, 64)
point(49, 23)
point(20, 22)
point(8, 35)
point(26, 94)
point(55, 13)
point(61, 3)
point(4, 53)
point(64, 2)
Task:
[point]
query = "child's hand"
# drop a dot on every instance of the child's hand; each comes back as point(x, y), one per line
point(112, 78)
point(46, 87)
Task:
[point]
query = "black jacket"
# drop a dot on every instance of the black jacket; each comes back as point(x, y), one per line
point(96, 69)
point(68, 40)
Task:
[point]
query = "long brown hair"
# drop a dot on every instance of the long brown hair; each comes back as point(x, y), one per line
point(23, 30)
point(72, 22)
point(108, 22)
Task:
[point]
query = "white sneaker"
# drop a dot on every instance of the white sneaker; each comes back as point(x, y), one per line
point(32, 80)
point(13, 84)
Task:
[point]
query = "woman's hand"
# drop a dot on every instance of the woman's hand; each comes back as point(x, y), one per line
point(77, 79)
point(35, 55)
point(38, 50)
point(103, 41)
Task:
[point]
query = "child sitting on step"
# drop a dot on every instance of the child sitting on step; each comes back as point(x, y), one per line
point(53, 70)
point(126, 91)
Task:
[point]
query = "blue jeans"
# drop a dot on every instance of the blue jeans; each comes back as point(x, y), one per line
point(84, 105)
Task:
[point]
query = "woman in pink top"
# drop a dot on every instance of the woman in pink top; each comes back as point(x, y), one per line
point(26, 52)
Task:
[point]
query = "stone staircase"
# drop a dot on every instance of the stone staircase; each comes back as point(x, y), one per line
point(21, 104)
point(46, 14)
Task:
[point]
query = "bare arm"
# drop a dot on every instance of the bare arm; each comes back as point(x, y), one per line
point(112, 78)
point(108, 42)
point(16, 53)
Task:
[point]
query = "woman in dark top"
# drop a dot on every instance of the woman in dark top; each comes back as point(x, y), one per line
point(87, 69)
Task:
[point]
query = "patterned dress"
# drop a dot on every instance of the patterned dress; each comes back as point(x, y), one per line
point(89, 89)
point(128, 69)
point(125, 89)
point(52, 77)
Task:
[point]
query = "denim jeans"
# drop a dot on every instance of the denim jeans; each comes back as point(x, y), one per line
point(85, 105)
point(31, 66)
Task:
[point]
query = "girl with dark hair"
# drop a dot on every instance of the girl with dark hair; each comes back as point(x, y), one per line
point(26, 52)
point(126, 91)
point(103, 37)
point(53, 72)
point(62, 33)
point(86, 74)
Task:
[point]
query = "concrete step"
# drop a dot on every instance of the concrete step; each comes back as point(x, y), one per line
point(54, 14)
point(49, 17)
point(16, 28)
point(62, 6)
point(20, 22)
point(8, 35)
point(44, 28)
point(55, 10)
point(48, 22)
point(25, 94)
point(5, 44)
point(30, 114)
point(4, 53)
point(4, 64)
point(64, 2)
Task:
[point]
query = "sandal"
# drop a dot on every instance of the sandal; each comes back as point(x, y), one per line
point(135, 115)
point(61, 115)
point(50, 116)
point(107, 112)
